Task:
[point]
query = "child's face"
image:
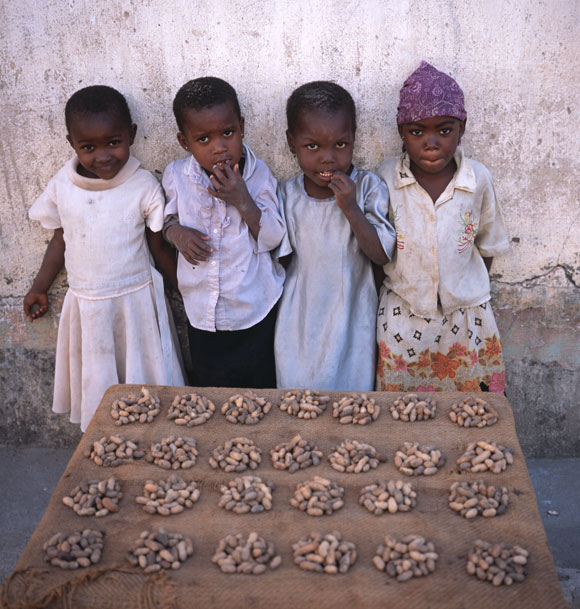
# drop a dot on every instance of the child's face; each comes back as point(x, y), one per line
point(323, 144)
point(213, 135)
point(102, 142)
point(431, 142)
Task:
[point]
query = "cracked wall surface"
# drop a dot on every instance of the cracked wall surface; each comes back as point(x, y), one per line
point(516, 61)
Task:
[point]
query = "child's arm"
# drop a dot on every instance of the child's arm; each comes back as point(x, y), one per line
point(51, 266)
point(228, 185)
point(344, 190)
point(191, 243)
point(164, 256)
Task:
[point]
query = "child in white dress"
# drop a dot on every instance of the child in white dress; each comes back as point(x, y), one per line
point(115, 326)
point(337, 226)
point(436, 330)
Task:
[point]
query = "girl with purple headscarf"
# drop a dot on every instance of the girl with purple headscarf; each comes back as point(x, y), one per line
point(435, 329)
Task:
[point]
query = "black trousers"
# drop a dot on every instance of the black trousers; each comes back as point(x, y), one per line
point(238, 358)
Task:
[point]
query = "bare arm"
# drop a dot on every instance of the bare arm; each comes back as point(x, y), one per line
point(51, 266)
point(345, 191)
point(164, 256)
point(229, 186)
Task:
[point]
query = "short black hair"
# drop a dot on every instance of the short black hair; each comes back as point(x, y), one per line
point(319, 95)
point(204, 92)
point(97, 99)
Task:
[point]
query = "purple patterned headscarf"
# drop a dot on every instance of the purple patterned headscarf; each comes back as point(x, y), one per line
point(427, 93)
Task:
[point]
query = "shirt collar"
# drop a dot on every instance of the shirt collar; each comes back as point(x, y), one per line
point(128, 169)
point(464, 178)
point(196, 172)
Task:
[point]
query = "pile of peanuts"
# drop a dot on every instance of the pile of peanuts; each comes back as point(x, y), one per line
point(173, 452)
point(236, 455)
point(80, 549)
point(414, 460)
point(251, 555)
point(168, 497)
point(111, 451)
point(392, 496)
point(485, 456)
point(161, 550)
point(247, 494)
point(296, 454)
point(246, 408)
point(357, 409)
point(354, 457)
point(497, 563)
point(307, 404)
point(135, 409)
point(473, 412)
point(475, 499)
point(318, 496)
point(190, 409)
point(410, 408)
point(413, 556)
point(324, 554)
point(94, 497)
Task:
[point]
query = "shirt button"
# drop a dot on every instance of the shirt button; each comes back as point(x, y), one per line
point(215, 230)
point(213, 261)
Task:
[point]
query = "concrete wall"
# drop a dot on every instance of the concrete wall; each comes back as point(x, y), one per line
point(515, 59)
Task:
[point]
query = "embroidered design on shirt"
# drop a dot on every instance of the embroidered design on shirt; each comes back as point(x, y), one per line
point(400, 234)
point(469, 231)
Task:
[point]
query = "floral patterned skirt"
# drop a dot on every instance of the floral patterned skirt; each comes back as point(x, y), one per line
point(460, 351)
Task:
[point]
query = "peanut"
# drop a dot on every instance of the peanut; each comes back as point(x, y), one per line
point(414, 460)
point(236, 455)
point(498, 564)
point(80, 549)
point(190, 409)
point(174, 453)
point(162, 550)
point(168, 497)
point(476, 499)
point(246, 408)
point(357, 409)
point(410, 408)
point(413, 556)
point(307, 404)
point(473, 412)
point(112, 451)
point(318, 496)
point(136, 409)
point(485, 456)
point(355, 457)
point(94, 497)
point(247, 494)
point(392, 497)
point(295, 455)
point(324, 554)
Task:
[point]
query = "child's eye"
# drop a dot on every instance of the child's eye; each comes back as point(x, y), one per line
point(312, 146)
point(228, 132)
point(88, 147)
point(446, 130)
point(415, 132)
point(341, 145)
point(203, 139)
point(114, 142)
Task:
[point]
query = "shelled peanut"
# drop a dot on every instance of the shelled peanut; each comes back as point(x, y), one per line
point(295, 455)
point(318, 496)
point(414, 460)
point(94, 497)
point(485, 456)
point(354, 457)
point(413, 556)
point(136, 409)
point(250, 555)
point(112, 451)
point(81, 549)
point(236, 455)
point(168, 497)
point(410, 408)
point(307, 404)
point(324, 553)
point(473, 412)
point(497, 563)
point(160, 550)
point(174, 452)
point(471, 499)
point(392, 496)
point(356, 409)
point(246, 408)
point(191, 409)
point(247, 494)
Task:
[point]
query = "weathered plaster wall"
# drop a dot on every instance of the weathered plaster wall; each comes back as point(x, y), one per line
point(515, 59)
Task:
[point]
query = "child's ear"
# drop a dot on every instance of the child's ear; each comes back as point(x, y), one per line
point(132, 133)
point(290, 140)
point(182, 141)
point(242, 125)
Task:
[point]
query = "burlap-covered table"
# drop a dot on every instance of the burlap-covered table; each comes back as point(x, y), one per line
point(199, 583)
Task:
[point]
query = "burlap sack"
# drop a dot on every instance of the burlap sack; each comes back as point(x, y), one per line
point(199, 583)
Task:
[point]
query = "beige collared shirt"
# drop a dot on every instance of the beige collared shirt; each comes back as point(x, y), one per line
point(441, 246)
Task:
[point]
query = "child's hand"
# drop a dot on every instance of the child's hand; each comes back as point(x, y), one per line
point(344, 190)
point(228, 185)
point(191, 243)
point(35, 304)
